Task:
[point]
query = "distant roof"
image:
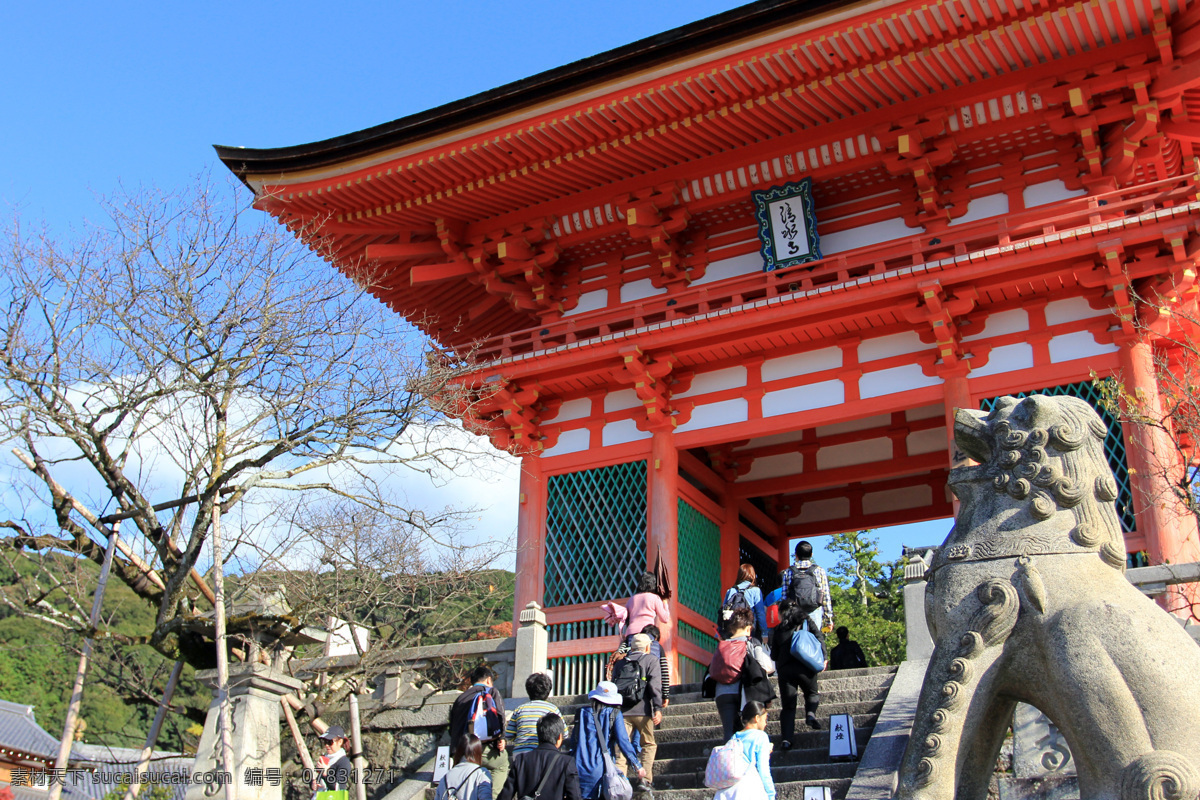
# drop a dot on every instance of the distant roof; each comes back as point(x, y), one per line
point(702, 34)
point(20, 731)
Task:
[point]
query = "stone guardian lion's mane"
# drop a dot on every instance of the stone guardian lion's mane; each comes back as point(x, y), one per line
point(1046, 454)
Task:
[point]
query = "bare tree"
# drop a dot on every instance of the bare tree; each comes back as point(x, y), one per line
point(189, 357)
point(378, 574)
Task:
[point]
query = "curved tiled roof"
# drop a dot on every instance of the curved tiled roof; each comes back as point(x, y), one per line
point(20, 731)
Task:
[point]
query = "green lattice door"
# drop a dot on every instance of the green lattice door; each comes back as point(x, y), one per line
point(699, 548)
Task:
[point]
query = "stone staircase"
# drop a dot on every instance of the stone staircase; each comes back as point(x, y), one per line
point(691, 728)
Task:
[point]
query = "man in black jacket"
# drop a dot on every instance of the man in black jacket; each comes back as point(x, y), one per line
point(544, 767)
point(644, 715)
point(494, 757)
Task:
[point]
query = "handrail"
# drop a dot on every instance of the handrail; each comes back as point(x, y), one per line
point(1067, 216)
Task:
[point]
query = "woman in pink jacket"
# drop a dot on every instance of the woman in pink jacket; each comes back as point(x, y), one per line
point(646, 607)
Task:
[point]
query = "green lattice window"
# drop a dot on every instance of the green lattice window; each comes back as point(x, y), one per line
point(595, 533)
point(1114, 443)
point(696, 636)
point(699, 562)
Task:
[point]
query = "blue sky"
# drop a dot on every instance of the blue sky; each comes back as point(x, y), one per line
point(97, 95)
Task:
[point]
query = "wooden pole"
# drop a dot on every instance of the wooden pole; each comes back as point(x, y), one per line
point(360, 764)
point(223, 721)
point(135, 784)
point(72, 720)
point(301, 747)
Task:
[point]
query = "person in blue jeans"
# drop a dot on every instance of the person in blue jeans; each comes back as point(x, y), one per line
point(753, 597)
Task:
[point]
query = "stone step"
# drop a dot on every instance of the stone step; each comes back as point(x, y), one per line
point(829, 681)
point(697, 760)
point(708, 717)
point(793, 790)
point(781, 774)
point(804, 738)
point(711, 733)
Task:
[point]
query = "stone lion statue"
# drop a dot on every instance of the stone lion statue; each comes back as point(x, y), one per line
point(1027, 601)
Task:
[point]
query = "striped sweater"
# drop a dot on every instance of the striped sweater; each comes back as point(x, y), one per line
point(522, 725)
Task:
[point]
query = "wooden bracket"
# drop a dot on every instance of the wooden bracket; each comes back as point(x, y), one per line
point(659, 216)
point(939, 310)
point(655, 381)
point(512, 416)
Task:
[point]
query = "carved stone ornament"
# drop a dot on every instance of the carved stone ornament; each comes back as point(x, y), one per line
point(1027, 601)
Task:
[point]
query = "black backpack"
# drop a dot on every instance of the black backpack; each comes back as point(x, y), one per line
point(805, 590)
point(756, 684)
point(629, 674)
point(733, 603)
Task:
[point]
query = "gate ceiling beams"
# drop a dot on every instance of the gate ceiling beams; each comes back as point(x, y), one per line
point(654, 381)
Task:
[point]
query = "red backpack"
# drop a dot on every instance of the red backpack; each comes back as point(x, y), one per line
point(726, 666)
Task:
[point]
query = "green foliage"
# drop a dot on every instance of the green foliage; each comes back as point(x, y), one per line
point(868, 597)
point(38, 662)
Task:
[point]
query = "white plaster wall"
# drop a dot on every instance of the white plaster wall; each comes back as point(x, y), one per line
point(897, 499)
point(927, 441)
point(897, 379)
point(1072, 309)
point(621, 400)
point(744, 264)
point(713, 415)
point(574, 409)
point(821, 510)
point(776, 438)
point(1048, 192)
point(854, 453)
point(865, 236)
point(774, 467)
point(1006, 359)
point(774, 369)
point(570, 442)
point(992, 205)
point(803, 398)
point(1077, 345)
point(639, 290)
point(861, 424)
point(1000, 323)
point(925, 412)
point(622, 431)
point(898, 344)
point(715, 381)
point(589, 301)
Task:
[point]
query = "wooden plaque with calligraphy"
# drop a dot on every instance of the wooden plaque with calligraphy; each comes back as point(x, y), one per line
point(787, 225)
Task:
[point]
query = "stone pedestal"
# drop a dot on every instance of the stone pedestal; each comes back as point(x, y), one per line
point(532, 647)
point(254, 693)
point(916, 627)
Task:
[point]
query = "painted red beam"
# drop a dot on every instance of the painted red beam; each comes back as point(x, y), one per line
point(864, 521)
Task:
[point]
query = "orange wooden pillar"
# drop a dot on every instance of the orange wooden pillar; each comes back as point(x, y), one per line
point(1168, 531)
point(663, 534)
point(531, 537)
point(731, 541)
point(958, 395)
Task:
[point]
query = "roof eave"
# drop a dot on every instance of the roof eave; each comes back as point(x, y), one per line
point(706, 33)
